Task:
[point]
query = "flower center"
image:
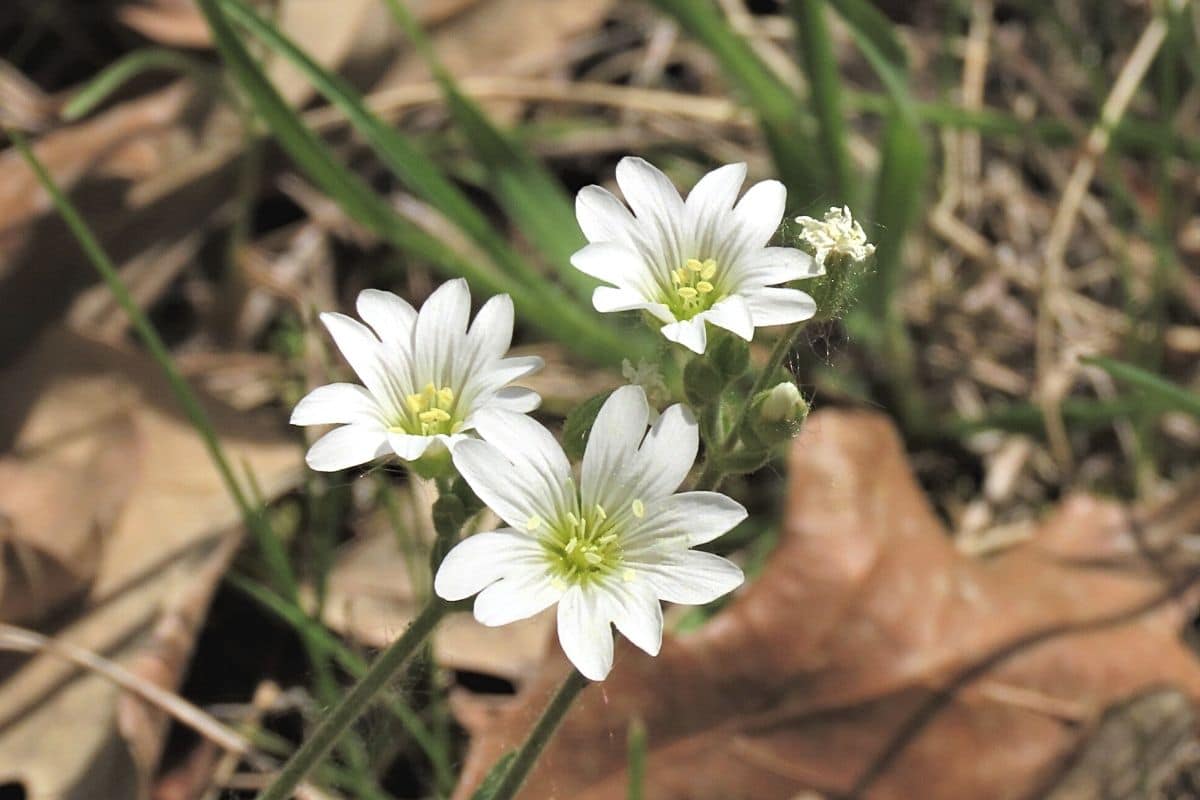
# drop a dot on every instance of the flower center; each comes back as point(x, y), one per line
point(428, 412)
point(692, 290)
point(581, 547)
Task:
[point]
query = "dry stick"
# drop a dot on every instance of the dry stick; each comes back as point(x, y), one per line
point(974, 75)
point(22, 640)
point(1049, 396)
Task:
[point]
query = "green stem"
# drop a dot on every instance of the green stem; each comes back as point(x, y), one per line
point(355, 703)
point(714, 471)
point(540, 736)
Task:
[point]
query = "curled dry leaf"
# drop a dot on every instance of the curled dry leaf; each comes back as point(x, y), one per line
point(65, 733)
point(872, 659)
point(50, 549)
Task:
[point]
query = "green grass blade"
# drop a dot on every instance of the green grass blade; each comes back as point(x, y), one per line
point(873, 26)
point(115, 75)
point(779, 112)
point(1162, 393)
point(636, 746)
point(551, 312)
point(825, 85)
point(525, 189)
point(272, 549)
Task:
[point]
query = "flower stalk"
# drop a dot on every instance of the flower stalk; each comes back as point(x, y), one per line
point(352, 706)
point(540, 736)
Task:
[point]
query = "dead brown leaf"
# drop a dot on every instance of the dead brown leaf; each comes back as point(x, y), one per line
point(870, 658)
point(65, 733)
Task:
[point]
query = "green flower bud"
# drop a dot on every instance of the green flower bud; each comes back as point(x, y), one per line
point(449, 514)
point(777, 414)
point(578, 425)
point(730, 356)
point(702, 383)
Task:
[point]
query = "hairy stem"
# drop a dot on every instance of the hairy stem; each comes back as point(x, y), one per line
point(541, 734)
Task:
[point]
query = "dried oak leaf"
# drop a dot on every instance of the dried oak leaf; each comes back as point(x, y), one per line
point(871, 658)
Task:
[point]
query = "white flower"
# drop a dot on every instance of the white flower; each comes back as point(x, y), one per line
point(607, 548)
point(838, 233)
point(426, 376)
point(688, 262)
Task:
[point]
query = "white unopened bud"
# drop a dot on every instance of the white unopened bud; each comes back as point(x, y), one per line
point(783, 402)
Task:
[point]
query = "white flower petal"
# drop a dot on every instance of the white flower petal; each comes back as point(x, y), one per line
point(482, 559)
point(689, 332)
point(668, 453)
point(658, 207)
point(759, 212)
point(337, 403)
point(585, 633)
point(612, 446)
point(440, 333)
point(602, 217)
point(520, 595)
point(509, 489)
point(362, 352)
point(606, 299)
point(709, 203)
point(773, 265)
point(690, 577)
point(636, 611)
point(733, 315)
point(347, 446)
point(391, 317)
point(612, 263)
point(407, 446)
point(519, 470)
point(513, 398)
point(491, 331)
point(780, 307)
point(686, 520)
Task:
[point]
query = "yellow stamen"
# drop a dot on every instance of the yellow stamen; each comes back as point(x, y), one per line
point(710, 269)
point(686, 292)
point(433, 416)
point(533, 523)
point(639, 509)
point(694, 265)
point(704, 287)
point(415, 403)
point(601, 514)
point(592, 557)
point(446, 395)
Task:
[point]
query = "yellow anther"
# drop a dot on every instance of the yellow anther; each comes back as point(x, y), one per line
point(446, 395)
point(704, 287)
point(639, 508)
point(572, 546)
point(433, 416)
point(601, 514)
point(571, 518)
point(592, 557)
point(533, 523)
point(687, 292)
point(710, 269)
point(415, 403)
point(694, 265)
point(679, 276)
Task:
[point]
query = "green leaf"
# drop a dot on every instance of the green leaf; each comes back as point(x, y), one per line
point(873, 26)
point(525, 189)
point(825, 85)
point(1154, 388)
point(778, 108)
